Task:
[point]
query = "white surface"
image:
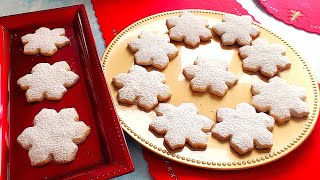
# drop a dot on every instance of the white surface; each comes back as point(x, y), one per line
point(307, 44)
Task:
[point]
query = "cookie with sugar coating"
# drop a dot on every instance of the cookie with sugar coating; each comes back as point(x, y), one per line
point(181, 124)
point(262, 56)
point(189, 28)
point(235, 28)
point(48, 81)
point(280, 99)
point(144, 88)
point(210, 75)
point(153, 49)
point(44, 41)
point(54, 136)
point(244, 127)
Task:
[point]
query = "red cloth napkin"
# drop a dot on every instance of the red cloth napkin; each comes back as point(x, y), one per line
point(301, 14)
point(115, 15)
point(302, 163)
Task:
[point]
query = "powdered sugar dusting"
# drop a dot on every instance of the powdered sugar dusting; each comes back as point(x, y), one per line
point(48, 81)
point(54, 136)
point(144, 88)
point(153, 49)
point(189, 28)
point(244, 127)
point(236, 29)
point(210, 75)
point(181, 124)
point(280, 99)
point(44, 41)
point(264, 57)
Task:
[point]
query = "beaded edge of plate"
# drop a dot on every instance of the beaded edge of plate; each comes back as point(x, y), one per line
point(272, 156)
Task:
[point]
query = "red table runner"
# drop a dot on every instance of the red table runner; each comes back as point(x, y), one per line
point(115, 15)
point(301, 14)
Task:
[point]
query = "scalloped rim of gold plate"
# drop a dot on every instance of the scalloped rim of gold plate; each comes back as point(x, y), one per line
point(272, 156)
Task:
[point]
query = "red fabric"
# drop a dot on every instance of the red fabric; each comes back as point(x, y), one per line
point(307, 12)
point(115, 15)
point(302, 163)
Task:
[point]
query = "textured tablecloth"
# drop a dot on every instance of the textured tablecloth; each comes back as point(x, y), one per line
point(301, 14)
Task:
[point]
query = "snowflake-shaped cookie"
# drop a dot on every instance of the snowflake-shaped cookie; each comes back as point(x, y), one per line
point(280, 99)
point(143, 87)
point(48, 81)
point(54, 136)
point(153, 49)
point(264, 57)
point(245, 128)
point(236, 29)
point(181, 124)
point(44, 41)
point(210, 75)
point(189, 28)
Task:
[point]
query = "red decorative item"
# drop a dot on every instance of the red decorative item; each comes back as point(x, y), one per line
point(301, 14)
point(115, 15)
point(104, 154)
point(300, 164)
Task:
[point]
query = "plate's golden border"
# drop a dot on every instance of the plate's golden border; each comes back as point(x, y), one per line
point(272, 156)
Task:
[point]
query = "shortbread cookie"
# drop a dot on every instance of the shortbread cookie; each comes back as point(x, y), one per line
point(264, 57)
point(189, 28)
point(153, 49)
point(181, 124)
point(48, 81)
point(141, 87)
point(280, 99)
point(54, 136)
point(235, 28)
point(210, 75)
point(245, 128)
point(44, 41)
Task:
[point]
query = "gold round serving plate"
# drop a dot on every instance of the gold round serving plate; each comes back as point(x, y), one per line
point(218, 154)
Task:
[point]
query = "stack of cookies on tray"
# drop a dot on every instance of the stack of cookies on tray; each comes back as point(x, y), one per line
point(248, 125)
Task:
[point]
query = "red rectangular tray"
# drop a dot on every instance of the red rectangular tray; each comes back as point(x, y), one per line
point(104, 154)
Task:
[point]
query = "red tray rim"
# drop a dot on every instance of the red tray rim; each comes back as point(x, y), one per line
point(111, 170)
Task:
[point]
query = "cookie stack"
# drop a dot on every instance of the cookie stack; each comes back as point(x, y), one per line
point(247, 126)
